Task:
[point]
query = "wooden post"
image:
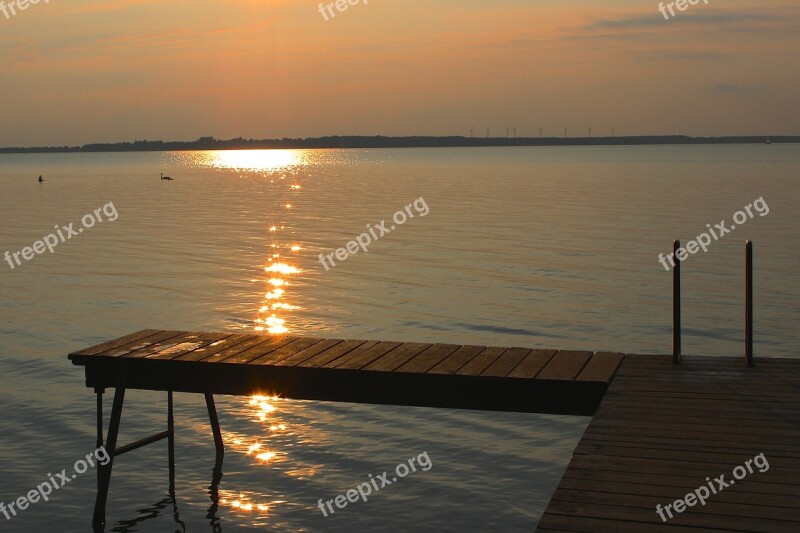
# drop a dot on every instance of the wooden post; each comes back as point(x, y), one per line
point(676, 305)
point(748, 335)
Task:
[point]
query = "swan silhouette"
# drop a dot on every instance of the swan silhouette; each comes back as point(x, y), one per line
point(163, 177)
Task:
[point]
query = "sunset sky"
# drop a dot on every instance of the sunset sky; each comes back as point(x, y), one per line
point(82, 71)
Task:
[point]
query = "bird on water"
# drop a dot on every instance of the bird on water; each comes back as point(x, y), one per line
point(163, 177)
point(41, 179)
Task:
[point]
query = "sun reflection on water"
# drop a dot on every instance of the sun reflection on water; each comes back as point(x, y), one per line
point(265, 446)
point(262, 410)
point(269, 160)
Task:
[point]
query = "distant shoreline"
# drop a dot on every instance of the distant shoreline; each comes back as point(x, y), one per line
point(379, 141)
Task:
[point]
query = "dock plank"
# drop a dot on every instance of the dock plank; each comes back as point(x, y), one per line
point(601, 367)
point(428, 358)
point(259, 350)
point(481, 362)
point(335, 353)
point(533, 363)
point(307, 353)
point(397, 357)
point(116, 343)
point(183, 348)
point(504, 364)
point(457, 359)
point(142, 344)
point(565, 365)
point(233, 349)
point(363, 355)
point(286, 350)
point(216, 347)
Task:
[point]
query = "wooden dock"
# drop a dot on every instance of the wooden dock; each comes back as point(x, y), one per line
point(378, 372)
point(658, 431)
point(662, 429)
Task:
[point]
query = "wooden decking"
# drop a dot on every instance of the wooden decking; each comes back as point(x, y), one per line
point(662, 429)
point(659, 430)
point(394, 373)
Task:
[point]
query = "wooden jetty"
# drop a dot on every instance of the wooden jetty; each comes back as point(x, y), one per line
point(663, 429)
point(659, 428)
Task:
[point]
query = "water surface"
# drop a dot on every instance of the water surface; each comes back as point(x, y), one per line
point(537, 247)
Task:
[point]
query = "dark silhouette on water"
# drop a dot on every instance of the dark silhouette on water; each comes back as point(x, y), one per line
point(41, 179)
point(163, 177)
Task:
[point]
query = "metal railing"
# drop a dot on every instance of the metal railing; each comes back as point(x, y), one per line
point(676, 304)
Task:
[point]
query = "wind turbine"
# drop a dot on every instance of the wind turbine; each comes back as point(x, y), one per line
point(487, 133)
point(471, 130)
point(565, 133)
point(590, 133)
point(515, 131)
point(540, 133)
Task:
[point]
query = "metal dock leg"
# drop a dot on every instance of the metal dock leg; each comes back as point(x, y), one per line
point(171, 442)
point(212, 415)
point(104, 476)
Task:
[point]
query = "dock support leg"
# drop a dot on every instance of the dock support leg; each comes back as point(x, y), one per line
point(98, 522)
point(212, 415)
point(748, 334)
point(99, 392)
point(676, 305)
point(171, 443)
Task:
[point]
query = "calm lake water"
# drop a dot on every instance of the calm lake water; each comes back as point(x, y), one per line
point(538, 247)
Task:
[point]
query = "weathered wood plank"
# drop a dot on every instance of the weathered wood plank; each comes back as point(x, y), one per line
point(308, 353)
point(259, 350)
point(285, 351)
point(193, 338)
point(183, 348)
point(716, 512)
point(481, 362)
point(397, 357)
point(645, 517)
point(428, 358)
point(457, 359)
point(635, 482)
point(601, 367)
point(506, 362)
point(216, 347)
point(142, 344)
point(533, 363)
point(235, 349)
point(116, 343)
point(565, 365)
point(580, 524)
point(363, 355)
point(334, 354)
